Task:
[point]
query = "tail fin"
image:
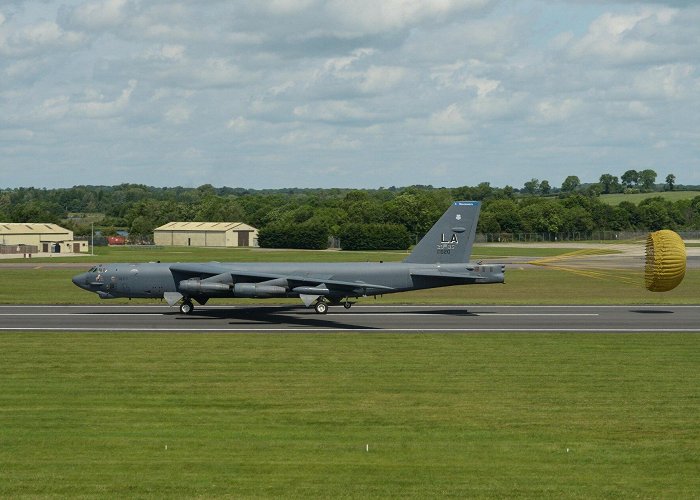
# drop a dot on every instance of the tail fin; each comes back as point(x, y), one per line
point(451, 239)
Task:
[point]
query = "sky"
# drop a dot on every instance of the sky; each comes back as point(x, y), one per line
point(342, 93)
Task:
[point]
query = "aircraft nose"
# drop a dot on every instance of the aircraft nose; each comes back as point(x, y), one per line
point(79, 280)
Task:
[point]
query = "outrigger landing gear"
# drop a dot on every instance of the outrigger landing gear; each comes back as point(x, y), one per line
point(186, 307)
point(347, 305)
point(321, 307)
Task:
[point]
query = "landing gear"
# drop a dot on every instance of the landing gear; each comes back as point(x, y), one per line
point(186, 307)
point(321, 307)
point(347, 305)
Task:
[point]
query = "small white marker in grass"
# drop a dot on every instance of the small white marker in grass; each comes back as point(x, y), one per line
point(367, 447)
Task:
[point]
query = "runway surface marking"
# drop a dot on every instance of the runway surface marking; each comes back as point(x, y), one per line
point(364, 306)
point(341, 314)
point(101, 315)
point(356, 330)
point(280, 319)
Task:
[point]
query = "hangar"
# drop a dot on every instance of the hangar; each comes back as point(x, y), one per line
point(206, 234)
point(35, 238)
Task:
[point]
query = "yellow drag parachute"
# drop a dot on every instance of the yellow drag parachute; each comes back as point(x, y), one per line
point(665, 263)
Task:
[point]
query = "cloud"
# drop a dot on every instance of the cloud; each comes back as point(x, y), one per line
point(45, 36)
point(625, 38)
point(244, 90)
point(92, 104)
point(449, 121)
point(100, 15)
point(556, 111)
point(369, 16)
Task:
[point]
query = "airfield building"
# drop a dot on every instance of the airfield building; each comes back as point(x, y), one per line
point(206, 234)
point(38, 238)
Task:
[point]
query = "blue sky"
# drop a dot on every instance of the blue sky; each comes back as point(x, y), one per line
point(312, 93)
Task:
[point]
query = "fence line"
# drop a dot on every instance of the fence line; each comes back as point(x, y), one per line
point(573, 236)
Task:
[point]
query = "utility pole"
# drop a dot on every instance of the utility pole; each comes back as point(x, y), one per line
point(92, 238)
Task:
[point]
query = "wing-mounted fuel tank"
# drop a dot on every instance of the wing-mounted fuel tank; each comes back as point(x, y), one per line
point(258, 290)
point(221, 285)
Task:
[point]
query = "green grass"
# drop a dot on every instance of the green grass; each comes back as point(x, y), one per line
point(498, 415)
point(200, 254)
point(615, 199)
point(523, 286)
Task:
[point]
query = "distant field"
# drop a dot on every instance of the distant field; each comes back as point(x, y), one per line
point(196, 254)
point(349, 416)
point(615, 199)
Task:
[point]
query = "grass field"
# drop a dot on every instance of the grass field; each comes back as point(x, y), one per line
point(615, 199)
point(352, 415)
point(200, 254)
point(501, 416)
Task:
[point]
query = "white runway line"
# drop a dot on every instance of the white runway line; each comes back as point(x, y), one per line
point(97, 315)
point(247, 331)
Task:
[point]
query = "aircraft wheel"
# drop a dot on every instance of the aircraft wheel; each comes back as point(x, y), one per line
point(186, 307)
point(347, 305)
point(321, 307)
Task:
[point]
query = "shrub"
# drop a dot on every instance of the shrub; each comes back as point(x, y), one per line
point(374, 237)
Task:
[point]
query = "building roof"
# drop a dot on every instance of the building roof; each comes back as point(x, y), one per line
point(31, 228)
point(205, 226)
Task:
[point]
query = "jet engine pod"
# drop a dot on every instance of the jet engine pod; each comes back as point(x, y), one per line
point(258, 291)
point(665, 261)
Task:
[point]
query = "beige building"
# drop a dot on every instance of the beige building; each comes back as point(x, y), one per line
point(33, 238)
point(206, 234)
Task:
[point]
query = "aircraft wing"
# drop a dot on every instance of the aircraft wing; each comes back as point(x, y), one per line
point(468, 277)
point(293, 281)
point(435, 273)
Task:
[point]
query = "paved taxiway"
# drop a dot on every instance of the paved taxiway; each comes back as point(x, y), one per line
point(270, 319)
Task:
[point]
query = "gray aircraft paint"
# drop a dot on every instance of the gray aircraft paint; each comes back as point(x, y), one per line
point(440, 259)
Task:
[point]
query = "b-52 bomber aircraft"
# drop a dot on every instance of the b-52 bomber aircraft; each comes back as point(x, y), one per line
point(440, 259)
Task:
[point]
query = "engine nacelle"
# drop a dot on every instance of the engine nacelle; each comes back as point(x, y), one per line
point(257, 291)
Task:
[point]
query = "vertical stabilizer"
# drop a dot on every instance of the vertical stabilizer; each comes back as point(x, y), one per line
point(451, 239)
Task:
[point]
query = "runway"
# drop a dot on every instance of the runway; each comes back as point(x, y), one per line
point(294, 319)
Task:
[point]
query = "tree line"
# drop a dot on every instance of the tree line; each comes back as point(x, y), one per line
point(362, 219)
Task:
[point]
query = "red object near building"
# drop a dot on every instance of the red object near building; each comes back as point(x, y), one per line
point(116, 240)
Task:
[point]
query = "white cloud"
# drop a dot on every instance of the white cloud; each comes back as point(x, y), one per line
point(666, 82)
point(97, 107)
point(239, 124)
point(381, 78)
point(99, 15)
point(166, 52)
point(370, 16)
point(45, 36)
point(625, 38)
point(177, 115)
point(459, 76)
point(93, 104)
point(333, 111)
point(449, 121)
point(383, 89)
point(556, 111)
